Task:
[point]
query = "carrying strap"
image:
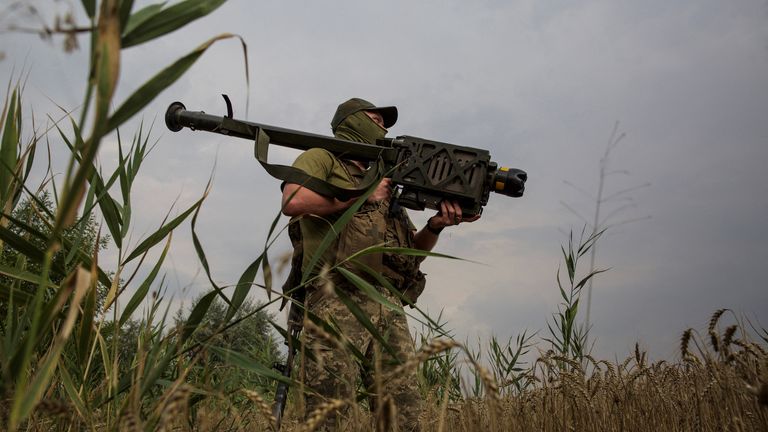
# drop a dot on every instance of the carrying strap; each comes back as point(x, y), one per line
point(291, 174)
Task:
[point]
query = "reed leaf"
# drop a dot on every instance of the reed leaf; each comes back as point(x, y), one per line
point(80, 230)
point(161, 233)
point(153, 373)
point(154, 21)
point(141, 16)
point(560, 286)
point(23, 275)
point(587, 278)
point(21, 351)
point(330, 326)
point(405, 251)
point(569, 263)
point(9, 146)
point(9, 293)
point(72, 393)
point(246, 280)
point(589, 243)
point(90, 8)
point(266, 272)
point(105, 72)
point(129, 169)
point(86, 336)
point(114, 219)
point(32, 251)
point(113, 292)
point(369, 290)
point(74, 190)
point(332, 233)
point(110, 210)
point(26, 398)
point(21, 244)
point(125, 185)
point(29, 156)
point(197, 314)
point(243, 286)
point(245, 362)
point(108, 46)
point(382, 281)
point(201, 253)
point(143, 290)
point(149, 91)
point(125, 13)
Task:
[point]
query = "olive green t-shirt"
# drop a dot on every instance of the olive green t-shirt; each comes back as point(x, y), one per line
point(322, 164)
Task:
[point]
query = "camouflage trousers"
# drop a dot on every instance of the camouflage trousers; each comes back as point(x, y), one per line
point(337, 372)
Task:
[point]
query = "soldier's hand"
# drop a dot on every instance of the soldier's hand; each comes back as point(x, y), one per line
point(449, 215)
point(383, 191)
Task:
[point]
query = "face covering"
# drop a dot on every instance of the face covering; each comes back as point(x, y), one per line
point(359, 127)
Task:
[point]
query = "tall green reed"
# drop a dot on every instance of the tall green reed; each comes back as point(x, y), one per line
point(52, 336)
point(568, 338)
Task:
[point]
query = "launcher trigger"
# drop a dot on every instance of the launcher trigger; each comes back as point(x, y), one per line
point(229, 106)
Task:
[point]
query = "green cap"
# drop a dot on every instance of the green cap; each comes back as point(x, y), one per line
point(346, 109)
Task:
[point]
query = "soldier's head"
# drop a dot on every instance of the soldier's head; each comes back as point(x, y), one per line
point(358, 119)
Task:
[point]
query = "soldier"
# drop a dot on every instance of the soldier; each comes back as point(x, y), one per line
point(335, 374)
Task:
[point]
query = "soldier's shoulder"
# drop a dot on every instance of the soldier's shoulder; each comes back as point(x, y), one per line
point(318, 154)
point(317, 162)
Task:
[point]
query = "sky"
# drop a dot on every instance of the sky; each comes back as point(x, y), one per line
point(541, 85)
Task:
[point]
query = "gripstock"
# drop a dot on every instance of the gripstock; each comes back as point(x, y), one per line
point(425, 171)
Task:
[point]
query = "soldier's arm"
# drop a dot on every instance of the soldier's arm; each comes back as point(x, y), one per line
point(298, 200)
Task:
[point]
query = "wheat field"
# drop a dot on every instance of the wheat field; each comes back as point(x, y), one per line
point(720, 384)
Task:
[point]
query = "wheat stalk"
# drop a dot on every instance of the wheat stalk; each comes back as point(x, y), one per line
point(386, 413)
point(321, 413)
point(596, 384)
point(571, 381)
point(684, 341)
point(594, 362)
point(639, 356)
point(624, 364)
point(714, 338)
point(320, 333)
point(175, 404)
point(130, 422)
point(746, 346)
point(715, 318)
point(491, 391)
point(571, 362)
point(52, 407)
point(435, 346)
point(611, 369)
point(264, 408)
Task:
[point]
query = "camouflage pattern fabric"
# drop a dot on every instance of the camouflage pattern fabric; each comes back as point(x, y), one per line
point(337, 373)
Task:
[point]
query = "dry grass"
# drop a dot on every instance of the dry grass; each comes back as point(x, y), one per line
point(719, 383)
point(720, 387)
